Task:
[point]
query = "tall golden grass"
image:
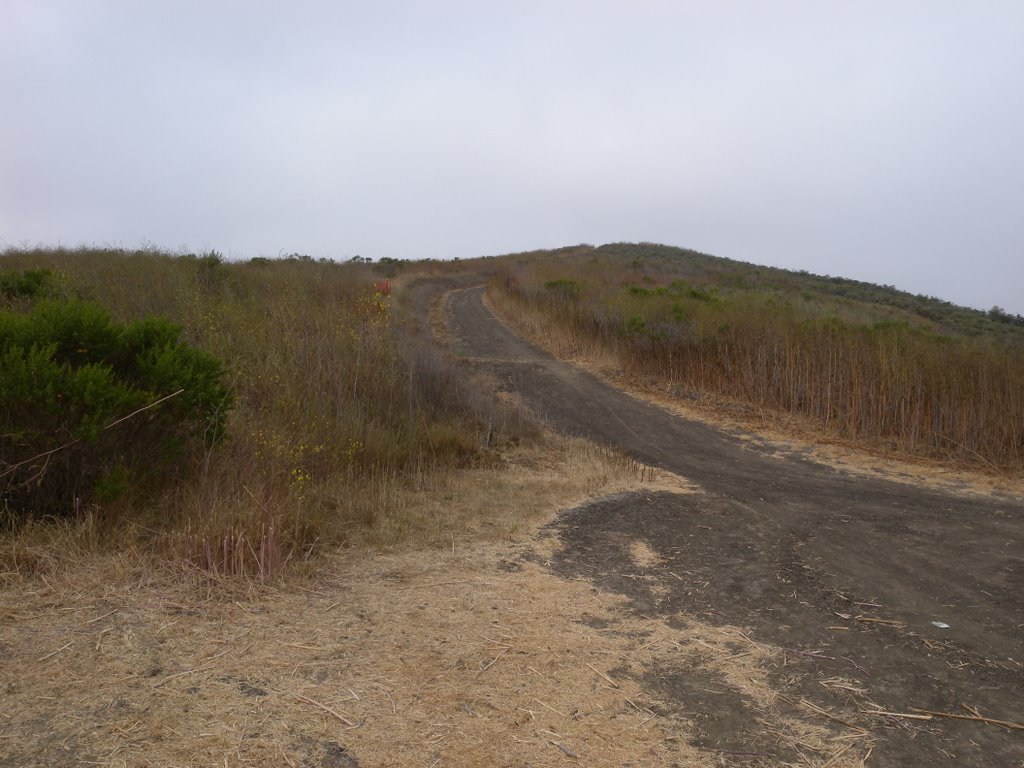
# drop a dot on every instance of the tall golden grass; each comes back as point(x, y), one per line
point(890, 382)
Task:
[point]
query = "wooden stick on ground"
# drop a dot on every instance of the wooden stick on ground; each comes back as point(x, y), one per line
point(975, 718)
point(832, 717)
point(326, 709)
point(895, 714)
point(873, 620)
point(181, 674)
point(565, 750)
point(50, 655)
point(492, 662)
point(611, 682)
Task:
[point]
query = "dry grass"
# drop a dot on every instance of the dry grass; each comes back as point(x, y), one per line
point(311, 461)
point(869, 377)
point(437, 638)
point(781, 434)
point(449, 650)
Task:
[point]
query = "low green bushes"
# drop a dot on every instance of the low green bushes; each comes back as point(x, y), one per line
point(28, 283)
point(91, 409)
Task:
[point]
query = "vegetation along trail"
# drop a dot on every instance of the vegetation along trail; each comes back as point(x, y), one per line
point(887, 597)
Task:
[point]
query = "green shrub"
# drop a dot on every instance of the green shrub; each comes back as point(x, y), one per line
point(29, 283)
point(69, 377)
point(564, 289)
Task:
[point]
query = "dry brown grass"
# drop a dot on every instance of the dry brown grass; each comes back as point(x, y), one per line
point(438, 638)
point(450, 649)
point(869, 375)
point(343, 402)
point(776, 433)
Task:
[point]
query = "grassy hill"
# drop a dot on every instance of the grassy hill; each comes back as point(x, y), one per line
point(864, 362)
point(648, 264)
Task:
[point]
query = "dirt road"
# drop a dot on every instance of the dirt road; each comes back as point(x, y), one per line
point(885, 596)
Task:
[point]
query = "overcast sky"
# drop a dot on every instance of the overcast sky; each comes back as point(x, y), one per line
point(877, 140)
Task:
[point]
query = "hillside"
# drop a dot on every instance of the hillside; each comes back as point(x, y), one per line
point(335, 397)
point(867, 363)
point(652, 265)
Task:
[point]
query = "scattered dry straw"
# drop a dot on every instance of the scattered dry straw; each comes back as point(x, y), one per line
point(470, 654)
point(387, 658)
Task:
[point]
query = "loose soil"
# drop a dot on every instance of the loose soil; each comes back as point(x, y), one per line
point(881, 596)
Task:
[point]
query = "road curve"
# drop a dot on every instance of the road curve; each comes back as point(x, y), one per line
point(793, 549)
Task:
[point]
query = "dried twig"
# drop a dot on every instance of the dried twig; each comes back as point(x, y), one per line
point(100, 618)
point(433, 584)
point(181, 674)
point(752, 642)
point(492, 662)
point(895, 714)
point(858, 666)
point(641, 710)
point(564, 749)
point(325, 708)
point(47, 454)
point(832, 717)
point(394, 707)
point(990, 465)
point(873, 620)
point(810, 654)
point(655, 641)
point(50, 655)
point(835, 758)
point(611, 682)
point(548, 706)
point(975, 717)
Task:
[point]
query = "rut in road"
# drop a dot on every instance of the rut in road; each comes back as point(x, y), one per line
point(807, 556)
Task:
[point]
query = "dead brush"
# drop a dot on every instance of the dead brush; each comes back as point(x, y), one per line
point(621, 463)
point(236, 554)
point(343, 400)
point(45, 547)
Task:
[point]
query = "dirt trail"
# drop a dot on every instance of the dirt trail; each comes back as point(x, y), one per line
point(857, 577)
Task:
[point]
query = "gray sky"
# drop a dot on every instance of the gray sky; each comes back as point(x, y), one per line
point(877, 140)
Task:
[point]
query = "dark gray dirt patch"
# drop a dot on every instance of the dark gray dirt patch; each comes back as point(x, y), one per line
point(728, 568)
point(724, 722)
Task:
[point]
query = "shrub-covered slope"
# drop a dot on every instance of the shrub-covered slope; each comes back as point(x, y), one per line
point(865, 362)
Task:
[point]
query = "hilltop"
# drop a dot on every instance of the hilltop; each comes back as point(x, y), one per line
point(659, 266)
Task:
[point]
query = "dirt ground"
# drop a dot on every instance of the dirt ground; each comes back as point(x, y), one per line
point(741, 606)
point(882, 596)
point(480, 654)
